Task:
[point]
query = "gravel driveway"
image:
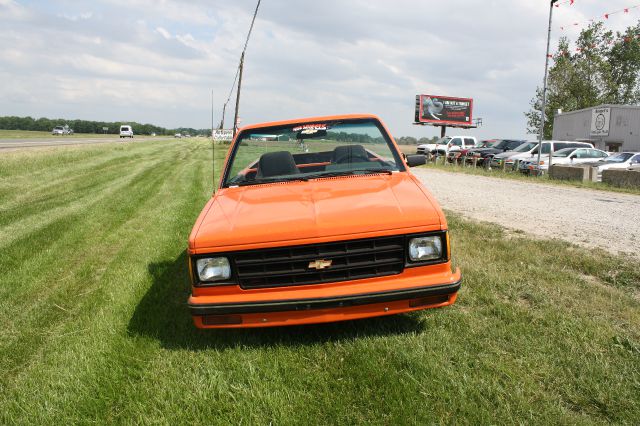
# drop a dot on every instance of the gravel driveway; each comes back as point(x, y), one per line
point(581, 216)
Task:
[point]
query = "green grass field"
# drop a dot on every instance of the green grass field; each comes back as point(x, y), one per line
point(95, 326)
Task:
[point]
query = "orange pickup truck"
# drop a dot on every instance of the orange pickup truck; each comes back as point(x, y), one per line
point(318, 220)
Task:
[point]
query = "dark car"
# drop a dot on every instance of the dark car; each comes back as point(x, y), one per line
point(503, 145)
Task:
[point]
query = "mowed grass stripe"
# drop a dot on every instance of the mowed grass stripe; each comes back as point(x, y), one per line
point(78, 272)
point(94, 192)
point(543, 332)
point(122, 289)
point(57, 185)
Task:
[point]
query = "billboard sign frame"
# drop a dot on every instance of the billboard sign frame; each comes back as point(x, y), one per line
point(445, 105)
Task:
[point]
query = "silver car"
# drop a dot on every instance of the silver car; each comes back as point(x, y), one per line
point(621, 160)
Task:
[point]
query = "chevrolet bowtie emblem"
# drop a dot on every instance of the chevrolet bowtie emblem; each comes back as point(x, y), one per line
point(320, 264)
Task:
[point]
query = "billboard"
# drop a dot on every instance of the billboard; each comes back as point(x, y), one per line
point(443, 110)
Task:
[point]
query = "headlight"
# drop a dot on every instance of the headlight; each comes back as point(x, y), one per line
point(213, 269)
point(425, 248)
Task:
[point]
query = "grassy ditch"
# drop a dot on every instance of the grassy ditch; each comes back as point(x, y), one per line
point(93, 286)
point(497, 173)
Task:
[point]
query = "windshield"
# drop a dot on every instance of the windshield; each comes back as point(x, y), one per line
point(618, 158)
point(527, 146)
point(311, 150)
point(487, 144)
point(443, 141)
point(563, 152)
point(501, 145)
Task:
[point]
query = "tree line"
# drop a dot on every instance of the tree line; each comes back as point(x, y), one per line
point(89, 126)
point(603, 68)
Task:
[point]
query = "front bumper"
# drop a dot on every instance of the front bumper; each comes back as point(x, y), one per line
point(279, 312)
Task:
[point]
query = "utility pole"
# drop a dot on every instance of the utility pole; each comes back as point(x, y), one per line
point(544, 87)
point(224, 109)
point(235, 117)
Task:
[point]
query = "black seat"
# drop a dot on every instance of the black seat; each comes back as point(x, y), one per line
point(349, 154)
point(276, 164)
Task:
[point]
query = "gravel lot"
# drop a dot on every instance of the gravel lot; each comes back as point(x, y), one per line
point(581, 216)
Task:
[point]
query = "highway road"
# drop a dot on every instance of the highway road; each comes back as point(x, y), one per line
point(7, 144)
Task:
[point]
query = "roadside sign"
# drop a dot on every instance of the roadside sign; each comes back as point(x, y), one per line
point(600, 121)
point(222, 135)
point(105, 128)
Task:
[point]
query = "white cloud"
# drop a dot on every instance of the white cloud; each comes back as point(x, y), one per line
point(158, 60)
point(164, 33)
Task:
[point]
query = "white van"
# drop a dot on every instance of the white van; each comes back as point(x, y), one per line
point(126, 131)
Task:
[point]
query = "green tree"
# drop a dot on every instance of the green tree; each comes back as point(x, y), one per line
point(603, 69)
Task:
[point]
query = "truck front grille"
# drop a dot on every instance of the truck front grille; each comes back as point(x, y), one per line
point(290, 266)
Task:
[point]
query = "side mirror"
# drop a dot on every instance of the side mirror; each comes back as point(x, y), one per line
point(572, 156)
point(416, 160)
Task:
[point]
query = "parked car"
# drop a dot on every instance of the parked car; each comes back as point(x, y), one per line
point(503, 145)
point(331, 228)
point(126, 131)
point(622, 160)
point(529, 151)
point(566, 156)
point(177, 135)
point(449, 143)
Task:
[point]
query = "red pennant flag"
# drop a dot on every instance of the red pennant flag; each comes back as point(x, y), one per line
point(571, 2)
point(556, 5)
point(561, 28)
point(606, 16)
point(626, 10)
point(549, 56)
point(578, 49)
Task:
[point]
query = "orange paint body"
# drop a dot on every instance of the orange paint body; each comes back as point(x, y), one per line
point(272, 218)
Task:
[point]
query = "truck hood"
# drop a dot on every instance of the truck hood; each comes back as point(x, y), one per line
point(343, 206)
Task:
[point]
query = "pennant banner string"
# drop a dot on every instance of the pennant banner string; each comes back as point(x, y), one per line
point(602, 17)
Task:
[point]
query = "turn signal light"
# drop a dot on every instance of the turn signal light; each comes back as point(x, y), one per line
point(429, 300)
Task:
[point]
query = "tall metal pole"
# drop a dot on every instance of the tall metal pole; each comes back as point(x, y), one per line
point(235, 117)
point(544, 86)
point(212, 113)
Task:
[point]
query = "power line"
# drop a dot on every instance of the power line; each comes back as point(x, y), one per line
point(235, 79)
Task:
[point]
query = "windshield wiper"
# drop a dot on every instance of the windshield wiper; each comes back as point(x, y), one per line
point(272, 180)
point(349, 173)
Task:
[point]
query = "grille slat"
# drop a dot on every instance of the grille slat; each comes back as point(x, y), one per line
point(351, 260)
point(248, 259)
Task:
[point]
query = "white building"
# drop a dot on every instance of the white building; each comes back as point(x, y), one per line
point(609, 127)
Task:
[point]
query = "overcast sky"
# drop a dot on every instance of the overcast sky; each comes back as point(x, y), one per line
point(157, 61)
